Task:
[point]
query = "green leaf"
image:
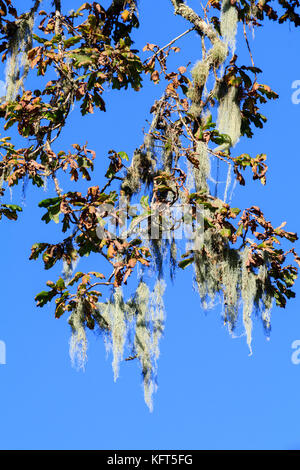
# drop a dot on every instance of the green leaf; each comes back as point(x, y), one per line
point(44, 297)
point(123, 155)
point(184, 263)
point(49, 202)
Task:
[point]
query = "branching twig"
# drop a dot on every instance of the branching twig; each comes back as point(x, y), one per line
point(169, 44)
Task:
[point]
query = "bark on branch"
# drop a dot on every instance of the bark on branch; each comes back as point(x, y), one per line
point(180, 8)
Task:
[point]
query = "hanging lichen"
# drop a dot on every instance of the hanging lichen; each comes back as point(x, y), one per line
point(221, 271)
point(142, 341)
point(148, 330)
point(203, 171)
point(228, 23)
point(229, 114)
point(140, 171)
point(264, 297)
point(230, 268)
point(20, 42)
point(112, 319)
point(118, 332)
point(200, 74)
point(1, 181)
point(218, 53)
point(157, 310)
point(78, 341)
point(206, 270)
point(248, 292)
point(137, 325)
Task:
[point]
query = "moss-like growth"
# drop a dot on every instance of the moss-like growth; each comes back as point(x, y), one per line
point(140, 320)
point(228, 23)
point(78, 341)
point(140, 171)
point(203, 171)
point(223, 273)
point(248, 293)
point(218, 53)
point(200, 73)
point(229, 113)
point(18, 65)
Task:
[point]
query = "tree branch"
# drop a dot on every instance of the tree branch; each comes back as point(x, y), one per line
point(200, 25)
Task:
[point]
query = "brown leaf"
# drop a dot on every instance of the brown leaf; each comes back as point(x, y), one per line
point(182, 70)
point(155, 76)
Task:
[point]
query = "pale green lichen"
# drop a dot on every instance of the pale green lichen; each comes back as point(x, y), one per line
point(228, 23)
point(149, 329)
point(112, 318)
point(231, 282)
point(78, 341)
point(118, 330)
point(218, 53)
point(200, 73)
point(140, 171)
point(157, 317)
point(264, 298)
point(206, 270)
point(142, 340)
point(19, 45)
point(202, 173)
point(248, 292)
point(137, 323)
point(229, 113)
point(221, 271)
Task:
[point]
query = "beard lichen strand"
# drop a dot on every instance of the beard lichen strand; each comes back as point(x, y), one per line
point(118, 329)
point(18, 47)
point(157, 316)
point(1, 181)
point(142, 341)
point(140, 171)
point(229, 114)
point(228, 24)
point(157, 313)
point(113, 319)
point(202, 173)
point(264, 298)
point(104, 322)
point(78, 341)
point(248, 293)
point(231, 280)
point(224, 271)
point(199, 74)
point(207, 275)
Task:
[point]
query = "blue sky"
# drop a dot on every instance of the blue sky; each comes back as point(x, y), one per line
point(212, 394)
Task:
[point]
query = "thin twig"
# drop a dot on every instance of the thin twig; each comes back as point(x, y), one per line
point(169, 44)
point(247, 42)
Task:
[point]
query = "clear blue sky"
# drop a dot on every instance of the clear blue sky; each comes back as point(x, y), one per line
point(211, 394)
